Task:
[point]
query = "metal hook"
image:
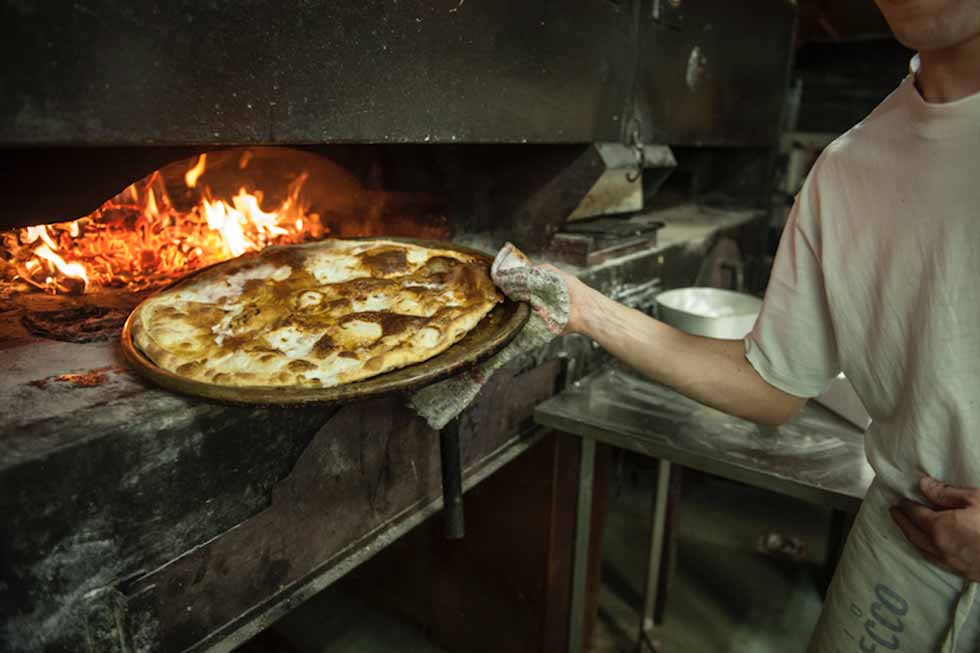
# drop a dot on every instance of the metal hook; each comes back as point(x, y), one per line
point(641, 158)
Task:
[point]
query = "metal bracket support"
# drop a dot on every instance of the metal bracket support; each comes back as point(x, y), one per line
point(452, 481)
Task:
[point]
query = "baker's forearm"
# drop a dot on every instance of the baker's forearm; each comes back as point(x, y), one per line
point(712, 371)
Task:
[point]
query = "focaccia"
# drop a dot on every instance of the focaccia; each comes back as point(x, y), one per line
point(319, 314)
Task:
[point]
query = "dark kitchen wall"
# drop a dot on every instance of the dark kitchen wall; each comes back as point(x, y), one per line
point(424, 71)
point(821, 20)
point(843, 81)
point(847, 61)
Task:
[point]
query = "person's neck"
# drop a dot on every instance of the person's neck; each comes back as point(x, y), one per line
point(950, 74)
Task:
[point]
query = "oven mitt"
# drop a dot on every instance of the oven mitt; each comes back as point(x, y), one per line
point(520, 280)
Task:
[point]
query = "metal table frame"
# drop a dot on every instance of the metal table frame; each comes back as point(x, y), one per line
point(581, 551)
point(843, 500)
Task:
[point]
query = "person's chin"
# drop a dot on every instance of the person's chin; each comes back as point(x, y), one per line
point(913, 40)
point(923, 35)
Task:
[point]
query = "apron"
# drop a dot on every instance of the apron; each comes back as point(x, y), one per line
point(886, 597)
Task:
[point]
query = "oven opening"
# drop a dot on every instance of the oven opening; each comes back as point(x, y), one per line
point(78, 279)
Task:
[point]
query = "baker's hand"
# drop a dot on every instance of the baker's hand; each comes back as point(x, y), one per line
point(948, 536)
point(577, 298)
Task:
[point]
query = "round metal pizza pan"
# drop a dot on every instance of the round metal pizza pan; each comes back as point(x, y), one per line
point(493, 332)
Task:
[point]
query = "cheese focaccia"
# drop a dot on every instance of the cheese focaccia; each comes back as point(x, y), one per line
point(319, 314)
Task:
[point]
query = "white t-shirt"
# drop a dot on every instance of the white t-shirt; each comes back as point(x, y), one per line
point(878, 275)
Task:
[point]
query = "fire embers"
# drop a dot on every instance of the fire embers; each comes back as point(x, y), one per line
point(157, 230)
point(82, 323)
point(79, 280)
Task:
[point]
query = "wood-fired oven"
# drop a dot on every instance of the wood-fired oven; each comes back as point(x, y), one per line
point(140, 141)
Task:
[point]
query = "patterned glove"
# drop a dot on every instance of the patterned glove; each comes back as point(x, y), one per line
point(520, 280)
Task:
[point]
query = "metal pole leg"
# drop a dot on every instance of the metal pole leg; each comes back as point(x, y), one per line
point(583, 523)
point(654, 563)
point(452, 481)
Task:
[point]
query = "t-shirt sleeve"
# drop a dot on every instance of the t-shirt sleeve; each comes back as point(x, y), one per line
point(793, 346)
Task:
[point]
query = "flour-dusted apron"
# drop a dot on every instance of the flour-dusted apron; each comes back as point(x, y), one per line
point(886, 597)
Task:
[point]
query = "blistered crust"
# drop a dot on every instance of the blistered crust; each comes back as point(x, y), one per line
point(315, 315)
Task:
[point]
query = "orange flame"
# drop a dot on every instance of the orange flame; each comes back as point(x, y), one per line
point(192, 175)
point(228, 222)
point(139, 240)
point(40, 231)
point(70, 270)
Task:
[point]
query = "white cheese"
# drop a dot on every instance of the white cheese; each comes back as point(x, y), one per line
point(223, 327)
point(310, 298)
point(363, 331)
point(427, 337)
point(417, 256)
point(328, 268)
point(374, 302)
point(333, 367)
point(232, 285)
point(408, 306)
point(291, 341)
